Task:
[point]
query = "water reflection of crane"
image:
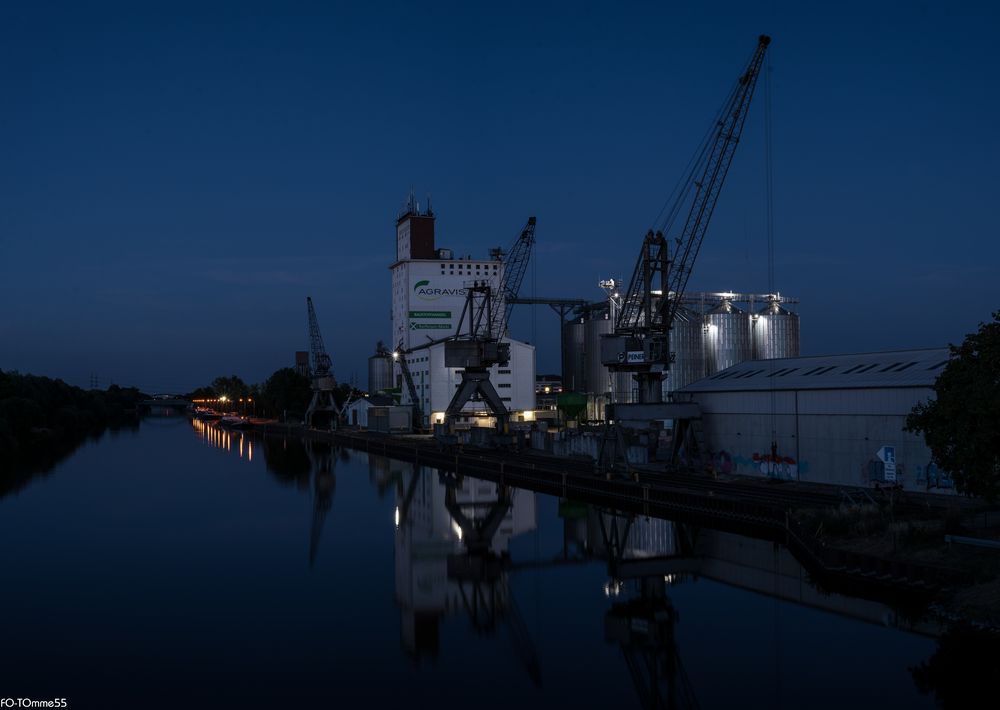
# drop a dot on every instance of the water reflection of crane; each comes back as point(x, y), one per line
point(452, 553)
point(483, 572)
point(647, 555)
point(457, 529)
point(321, 456)
point(293, 461)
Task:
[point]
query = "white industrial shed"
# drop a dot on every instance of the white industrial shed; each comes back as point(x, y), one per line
point(835, 418)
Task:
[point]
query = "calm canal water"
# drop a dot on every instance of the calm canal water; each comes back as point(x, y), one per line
point(180, 566)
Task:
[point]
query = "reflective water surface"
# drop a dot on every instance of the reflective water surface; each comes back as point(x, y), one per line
point(180, 565)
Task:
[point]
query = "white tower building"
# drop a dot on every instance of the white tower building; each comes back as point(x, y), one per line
point(428, 295)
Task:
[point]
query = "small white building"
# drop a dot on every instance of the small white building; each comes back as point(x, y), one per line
point(833, 418)
point(356, 413)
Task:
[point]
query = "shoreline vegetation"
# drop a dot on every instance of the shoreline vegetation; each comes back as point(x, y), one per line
point(44, 419)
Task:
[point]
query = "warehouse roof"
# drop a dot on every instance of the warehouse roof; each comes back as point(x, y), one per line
point(895, 368)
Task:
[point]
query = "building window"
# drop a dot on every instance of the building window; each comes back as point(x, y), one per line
point(503, 372)
point(505, 399)
point(504, 385)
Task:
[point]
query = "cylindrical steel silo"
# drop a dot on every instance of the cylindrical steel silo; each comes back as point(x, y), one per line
point(775, 332)
point(727, 337)
point(596, 377)
point(573, 378)
point(622, 387)
point(379, 372)
point(687, 343)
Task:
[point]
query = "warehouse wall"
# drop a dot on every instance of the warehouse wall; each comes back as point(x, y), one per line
point(824, 436)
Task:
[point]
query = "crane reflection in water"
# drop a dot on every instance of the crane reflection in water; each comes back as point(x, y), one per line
point(453, 537)
point(452, 556)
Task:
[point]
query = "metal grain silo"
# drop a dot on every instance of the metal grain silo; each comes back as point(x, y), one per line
point(596, 376)
point(573, 378)
point(727, 337)
point(775, 332)
point(623, 387)
point(687, 343)
point(379, 372)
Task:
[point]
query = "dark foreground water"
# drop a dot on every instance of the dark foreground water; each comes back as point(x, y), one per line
point(177, 566)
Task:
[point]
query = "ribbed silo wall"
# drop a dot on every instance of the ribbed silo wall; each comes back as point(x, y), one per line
point(596, 375)
point(727, 338)
point(687, 343)
point(573, 357)
point(775, 333)
point(379, 373)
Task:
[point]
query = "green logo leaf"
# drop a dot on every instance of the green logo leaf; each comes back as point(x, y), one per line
point(418, 284)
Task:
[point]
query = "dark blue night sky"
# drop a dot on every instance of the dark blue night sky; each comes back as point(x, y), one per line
point(176, 178)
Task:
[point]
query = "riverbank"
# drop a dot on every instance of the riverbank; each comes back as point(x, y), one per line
point(915, 570)
point(40, 416)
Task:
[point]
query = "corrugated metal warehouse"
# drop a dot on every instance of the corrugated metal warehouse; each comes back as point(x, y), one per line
point(835, 418)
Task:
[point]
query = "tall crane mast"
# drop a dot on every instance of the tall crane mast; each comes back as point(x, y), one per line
point(477, 344)
point(640, 342)
point(323, 410)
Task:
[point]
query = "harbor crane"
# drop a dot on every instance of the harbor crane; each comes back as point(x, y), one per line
point(478, 341)
point(323, 411)
point(640, 342)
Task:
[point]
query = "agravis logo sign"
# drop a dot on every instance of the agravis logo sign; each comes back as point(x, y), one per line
point(424, 290)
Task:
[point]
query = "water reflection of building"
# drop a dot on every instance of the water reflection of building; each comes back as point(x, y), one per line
point(451, 552)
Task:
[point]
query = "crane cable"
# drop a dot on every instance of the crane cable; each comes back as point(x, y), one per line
point(769, 226)
point(686, 180)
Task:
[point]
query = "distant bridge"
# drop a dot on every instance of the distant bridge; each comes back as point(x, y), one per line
point(167, 401)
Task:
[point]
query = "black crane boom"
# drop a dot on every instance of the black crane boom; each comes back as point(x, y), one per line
point(710, 166)
point(321, 360)
point(515, 266)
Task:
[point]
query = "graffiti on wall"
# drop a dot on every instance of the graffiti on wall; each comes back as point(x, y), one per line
point(773, 466)
point(930, 476)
